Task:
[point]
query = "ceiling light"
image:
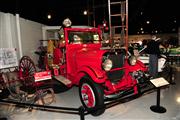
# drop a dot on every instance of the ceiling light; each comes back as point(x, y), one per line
point(49, 16)
point(85, 12)
point(147, 22)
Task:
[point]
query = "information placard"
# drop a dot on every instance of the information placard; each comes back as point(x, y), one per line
point(158, 82)
point(8, 58)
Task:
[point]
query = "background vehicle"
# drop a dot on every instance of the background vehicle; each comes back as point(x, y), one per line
point(175, 50)
point(162, 60)
point(140, 51)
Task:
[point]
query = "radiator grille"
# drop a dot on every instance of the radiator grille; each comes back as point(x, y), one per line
point(118, 62)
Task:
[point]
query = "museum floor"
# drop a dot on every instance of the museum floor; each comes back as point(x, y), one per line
point(136, 109)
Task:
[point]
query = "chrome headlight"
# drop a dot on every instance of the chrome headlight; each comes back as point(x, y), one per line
point(132, 60)
point(107, 65)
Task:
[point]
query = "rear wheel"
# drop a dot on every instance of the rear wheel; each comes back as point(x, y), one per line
point(92, 96)
point(27, 70)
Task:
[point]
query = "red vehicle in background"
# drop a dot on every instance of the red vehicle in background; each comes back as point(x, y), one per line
point(99, 72)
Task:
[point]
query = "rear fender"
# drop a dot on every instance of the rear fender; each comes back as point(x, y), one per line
point(95, 74)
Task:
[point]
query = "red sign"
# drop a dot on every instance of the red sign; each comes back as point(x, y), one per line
point(40, 76)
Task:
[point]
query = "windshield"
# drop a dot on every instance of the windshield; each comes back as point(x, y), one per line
point(76, 37)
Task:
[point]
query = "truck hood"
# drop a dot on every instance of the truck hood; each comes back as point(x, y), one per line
point(89, 54)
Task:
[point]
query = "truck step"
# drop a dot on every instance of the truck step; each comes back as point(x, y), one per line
point(63, 80)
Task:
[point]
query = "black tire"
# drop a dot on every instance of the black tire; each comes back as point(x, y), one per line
point(97, 107)
point(4, 93)
point(166, 72)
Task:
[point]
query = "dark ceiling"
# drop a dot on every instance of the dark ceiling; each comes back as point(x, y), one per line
point(162, 14)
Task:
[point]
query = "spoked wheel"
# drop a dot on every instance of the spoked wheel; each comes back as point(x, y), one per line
point(92, 96)
point(26, 73)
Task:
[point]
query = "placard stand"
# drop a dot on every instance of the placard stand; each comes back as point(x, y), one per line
point(158, 83)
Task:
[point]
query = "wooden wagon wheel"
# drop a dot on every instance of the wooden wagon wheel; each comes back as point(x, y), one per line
point(26, 73)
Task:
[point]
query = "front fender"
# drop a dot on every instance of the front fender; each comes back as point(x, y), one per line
point(139, 66)
point(96, 74)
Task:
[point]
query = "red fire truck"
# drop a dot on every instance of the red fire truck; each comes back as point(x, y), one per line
point(100, 72)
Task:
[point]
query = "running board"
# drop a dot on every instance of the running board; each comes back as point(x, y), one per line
point(63, 80)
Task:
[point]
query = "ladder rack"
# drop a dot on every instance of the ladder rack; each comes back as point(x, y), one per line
point(118, 22)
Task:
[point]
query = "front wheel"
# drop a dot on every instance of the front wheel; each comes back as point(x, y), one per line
point(92, 96)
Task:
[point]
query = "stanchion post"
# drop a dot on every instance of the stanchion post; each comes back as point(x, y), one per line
point(81, 112)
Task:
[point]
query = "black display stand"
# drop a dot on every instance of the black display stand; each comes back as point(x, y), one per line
point(158, 83)
point(157, 108)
